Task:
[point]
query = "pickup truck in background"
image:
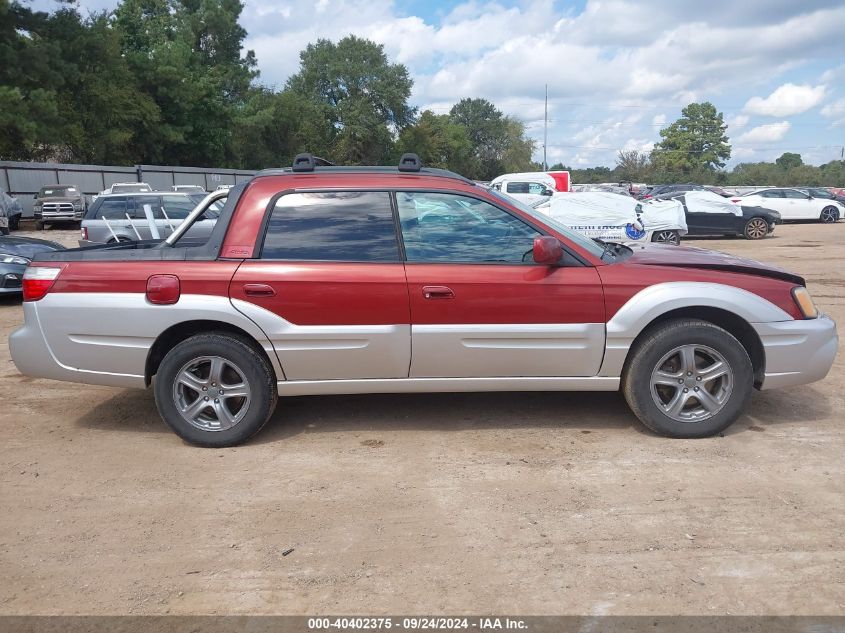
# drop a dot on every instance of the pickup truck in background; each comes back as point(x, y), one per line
point(330, 280)
point(58, 204)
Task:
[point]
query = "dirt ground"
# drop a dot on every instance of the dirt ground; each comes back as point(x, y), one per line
point(477, 503)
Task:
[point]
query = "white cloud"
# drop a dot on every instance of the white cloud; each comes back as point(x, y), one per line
point(658, 121)
point(765, 133)
point(737, 122)
point(787, 100)
point(835, 111)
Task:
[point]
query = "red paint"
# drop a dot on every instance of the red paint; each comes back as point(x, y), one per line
point(377, 294)
point(244, 235)
point(622, 281)
point(547, 250)
point(562, 182)
point(199, 278)
point(497, 293)
point(163, 289)
point(328, 293)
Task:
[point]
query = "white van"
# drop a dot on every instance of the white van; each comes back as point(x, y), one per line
point(532, 187)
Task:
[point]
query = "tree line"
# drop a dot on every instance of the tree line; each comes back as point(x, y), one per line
point(167, 82)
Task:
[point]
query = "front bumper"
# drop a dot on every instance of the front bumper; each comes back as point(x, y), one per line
point(797, 352)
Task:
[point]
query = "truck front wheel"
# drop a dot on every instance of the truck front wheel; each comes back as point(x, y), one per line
point(215, 390)
point(688, 378)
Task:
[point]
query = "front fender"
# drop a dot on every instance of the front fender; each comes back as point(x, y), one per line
point(652, 302)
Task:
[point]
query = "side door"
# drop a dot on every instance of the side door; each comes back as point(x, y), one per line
point(775, 200)
point(108, 220)
point(481, 306)
point(802, 206)
point(329, 288)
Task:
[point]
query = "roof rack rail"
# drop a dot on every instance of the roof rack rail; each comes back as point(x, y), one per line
point(410, 163)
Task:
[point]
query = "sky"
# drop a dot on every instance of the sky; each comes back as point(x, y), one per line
point(617, 70)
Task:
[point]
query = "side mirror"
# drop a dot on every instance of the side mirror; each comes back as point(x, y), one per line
point(547, 192)
point(35, 196)
point(547, 250)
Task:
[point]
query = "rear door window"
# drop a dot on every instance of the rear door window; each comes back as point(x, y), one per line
point(351, 226)
point(153, 201)
point(110, 208)
point(177, 207)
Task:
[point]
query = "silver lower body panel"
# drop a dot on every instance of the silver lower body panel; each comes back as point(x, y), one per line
point(445, 385)
point(797, 352)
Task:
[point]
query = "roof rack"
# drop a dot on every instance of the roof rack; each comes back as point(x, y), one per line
point(409, 164)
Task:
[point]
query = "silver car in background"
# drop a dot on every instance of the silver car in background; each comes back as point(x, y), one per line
point(122, 218)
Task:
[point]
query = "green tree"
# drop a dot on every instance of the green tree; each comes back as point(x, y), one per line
point(696, 142)
point(273, 127)
point(499, 144)
point(788, 160)
point(364, 96)
point(438, 142)
point(186, 55)
point(632, 165)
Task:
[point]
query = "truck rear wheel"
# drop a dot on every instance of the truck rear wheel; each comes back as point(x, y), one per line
point(215, 390)
point(688, 378)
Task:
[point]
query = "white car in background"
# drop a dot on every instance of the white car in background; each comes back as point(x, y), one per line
point(614, 218)
point(793, 204)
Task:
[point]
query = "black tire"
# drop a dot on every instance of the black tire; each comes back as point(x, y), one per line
point(39, 225)
point(121, 239)
point(755, 229)
point(645, 358)
point(666, 237)
point(829, 214)
point(15, 223)
point(256, 373)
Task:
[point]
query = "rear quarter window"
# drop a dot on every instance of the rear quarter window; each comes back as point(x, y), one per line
point(352, 226)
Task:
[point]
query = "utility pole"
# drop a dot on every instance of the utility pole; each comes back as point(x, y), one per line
point(545, 127)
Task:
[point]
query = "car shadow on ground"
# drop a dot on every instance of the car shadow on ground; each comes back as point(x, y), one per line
point(135, 411)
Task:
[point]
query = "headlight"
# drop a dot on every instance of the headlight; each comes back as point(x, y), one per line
point(13, 259)
point(804, 302)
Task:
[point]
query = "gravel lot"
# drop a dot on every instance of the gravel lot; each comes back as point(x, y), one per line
point(510, 503)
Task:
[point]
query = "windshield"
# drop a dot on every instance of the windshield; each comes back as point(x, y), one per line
point(57, 191)
point(139, 188)
point(591, 246)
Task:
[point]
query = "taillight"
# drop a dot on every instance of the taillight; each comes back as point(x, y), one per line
point(734, 199)
point(37, 281)
point(84, 232)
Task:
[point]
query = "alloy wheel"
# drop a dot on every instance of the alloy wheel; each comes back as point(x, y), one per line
point(830, 214)
point(691, 383)
point(756, 229)
point(211, 393)
point(667, 237)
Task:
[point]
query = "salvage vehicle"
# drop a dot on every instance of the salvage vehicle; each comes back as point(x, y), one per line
point(611, 217)
point(10, 213)
point(336, 280)
point(189, 189)
point(532, 187)
point(122, 218)
point(794, 204)
point(58, 204)
point(126, 187)
point(708, 213)
point(15, 254)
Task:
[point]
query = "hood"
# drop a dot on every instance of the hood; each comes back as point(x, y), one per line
point(63, 198)
point(688, 257)
point(27, 246)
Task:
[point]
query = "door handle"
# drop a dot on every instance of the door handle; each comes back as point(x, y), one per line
point(438, 292)
point(259, 290)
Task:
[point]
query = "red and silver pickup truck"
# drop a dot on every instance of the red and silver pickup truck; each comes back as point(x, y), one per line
point(329, 280)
